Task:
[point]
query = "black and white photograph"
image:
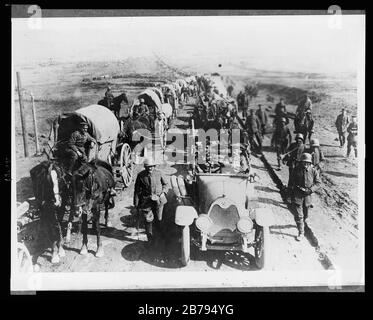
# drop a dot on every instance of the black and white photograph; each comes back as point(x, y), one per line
point(162, 149)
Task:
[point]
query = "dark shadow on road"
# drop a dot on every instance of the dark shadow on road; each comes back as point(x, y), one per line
point(258, 168)
point(271, 201)
point(283, 227)
point(151, 255)
point(268, 149)
point(329, 145)
point(239, 260)
point(333, 156)
point(266, 189)
point(283, 234)
point(341, 174)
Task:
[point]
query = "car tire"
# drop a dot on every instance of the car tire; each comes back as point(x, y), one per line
point(185, 246)
point(262, 248)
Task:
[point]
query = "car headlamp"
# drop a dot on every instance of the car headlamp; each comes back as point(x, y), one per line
point(203, 222)
point(245, 225)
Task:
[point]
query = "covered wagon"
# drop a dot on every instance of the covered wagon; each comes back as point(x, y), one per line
point(104, 127)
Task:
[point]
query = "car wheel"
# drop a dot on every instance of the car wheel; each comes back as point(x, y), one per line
point(262, 247)
point(185, 246)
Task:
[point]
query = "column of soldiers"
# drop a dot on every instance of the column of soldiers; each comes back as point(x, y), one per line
point(304, 163)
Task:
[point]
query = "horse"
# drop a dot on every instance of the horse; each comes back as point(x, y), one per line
point(115, 105)
point(52, 191)
point(92, 186)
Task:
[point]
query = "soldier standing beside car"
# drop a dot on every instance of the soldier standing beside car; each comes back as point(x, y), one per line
point(304, 181)
point(149, 199)
point(341, 123)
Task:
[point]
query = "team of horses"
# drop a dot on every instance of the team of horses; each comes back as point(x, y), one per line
point(79, 195)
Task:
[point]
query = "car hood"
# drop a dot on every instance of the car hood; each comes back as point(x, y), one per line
point(213, 186)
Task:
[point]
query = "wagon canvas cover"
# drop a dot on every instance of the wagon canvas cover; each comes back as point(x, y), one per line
point(151, 98)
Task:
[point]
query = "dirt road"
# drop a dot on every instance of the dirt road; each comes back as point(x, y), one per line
point(125, 248)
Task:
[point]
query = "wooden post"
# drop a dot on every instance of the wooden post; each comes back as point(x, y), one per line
point(37, 152)
point(22, 110)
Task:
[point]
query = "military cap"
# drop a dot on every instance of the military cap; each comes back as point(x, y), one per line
point(306, 157)
point(299, 136)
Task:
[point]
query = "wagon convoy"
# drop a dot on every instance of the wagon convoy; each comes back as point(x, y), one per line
point(214, 211)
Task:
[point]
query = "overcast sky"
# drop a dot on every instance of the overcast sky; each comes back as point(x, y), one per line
point(304, 43)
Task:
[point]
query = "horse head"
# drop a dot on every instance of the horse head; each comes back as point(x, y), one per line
point(123, 97)
point(83, 185)
point(49, 182)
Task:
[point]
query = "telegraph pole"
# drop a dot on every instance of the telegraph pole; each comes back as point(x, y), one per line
point(37, 152)
point(22, 110)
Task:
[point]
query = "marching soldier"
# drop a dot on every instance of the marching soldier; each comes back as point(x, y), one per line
point(246, 106)
point(352, 136)
point(280, 107)
point(263, 119)
point(252, 127)
point(281, 113)
point(277, 121)
point(281, 139)
point(294, 153)
point(304, 124)
point(304, 105)
point(317, 154)
point(342, 123)
point(75, 149)
point(240, 100)
point(149, 199)
point(304, 181)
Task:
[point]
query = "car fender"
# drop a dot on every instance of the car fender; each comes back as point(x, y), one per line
point(185, 215)
point(264, 217)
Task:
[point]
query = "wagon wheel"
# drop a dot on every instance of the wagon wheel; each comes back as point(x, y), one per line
point(24, 260)
point(126, 164)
